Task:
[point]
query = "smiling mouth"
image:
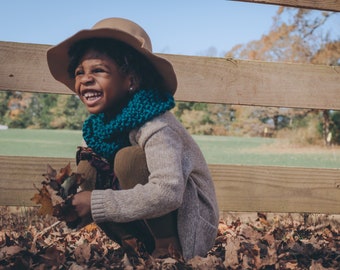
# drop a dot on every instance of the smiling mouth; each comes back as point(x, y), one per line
point(92, 95)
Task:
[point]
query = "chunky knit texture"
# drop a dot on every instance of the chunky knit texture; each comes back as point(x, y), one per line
point(107, 137)
point(179, 179)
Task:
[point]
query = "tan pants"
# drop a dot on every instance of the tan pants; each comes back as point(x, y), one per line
point(131, 169)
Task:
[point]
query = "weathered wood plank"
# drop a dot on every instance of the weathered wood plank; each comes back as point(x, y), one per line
point(239, 188)
point(331, 5)
point(277, 189)
point(24, 68)
point(230, 81)
point(20, 175)
point(201, 79)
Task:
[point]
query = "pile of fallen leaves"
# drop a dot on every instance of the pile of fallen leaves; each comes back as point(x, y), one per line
point(42, 238)
point(28, 241)
point(56, 193)
point(284, 242)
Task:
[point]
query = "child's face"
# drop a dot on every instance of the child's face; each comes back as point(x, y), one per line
point(99, 83)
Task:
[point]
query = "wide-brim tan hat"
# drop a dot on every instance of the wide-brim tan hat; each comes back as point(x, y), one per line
point(115, 28)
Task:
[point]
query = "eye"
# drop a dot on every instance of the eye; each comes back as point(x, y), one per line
point(78, 72)
point(98, 70)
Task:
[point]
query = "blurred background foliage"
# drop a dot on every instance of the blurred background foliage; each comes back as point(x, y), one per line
point(296, 35)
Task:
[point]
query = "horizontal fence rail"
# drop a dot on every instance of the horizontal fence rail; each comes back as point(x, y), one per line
point(330, 5)
point(239, 187)
point(201, 79)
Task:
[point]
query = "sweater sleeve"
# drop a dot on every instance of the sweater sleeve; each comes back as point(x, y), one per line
point(162, 194)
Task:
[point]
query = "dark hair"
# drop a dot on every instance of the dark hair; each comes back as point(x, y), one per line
point(128, 60)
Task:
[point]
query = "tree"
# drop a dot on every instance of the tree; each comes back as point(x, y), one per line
point(299, 36)
point(335, 127)
point(4, 97)
point(40, 107)
point(41, 110)
point(68, 113)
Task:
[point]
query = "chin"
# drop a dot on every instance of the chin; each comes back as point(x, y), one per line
point(94, 111)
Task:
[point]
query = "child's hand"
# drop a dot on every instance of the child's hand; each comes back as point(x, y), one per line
point(82, 203)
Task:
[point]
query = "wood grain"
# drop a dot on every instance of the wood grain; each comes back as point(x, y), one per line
point(239, 188)
point(276, 189)
point(20, 175)
point(330, 5)
point(200, 79)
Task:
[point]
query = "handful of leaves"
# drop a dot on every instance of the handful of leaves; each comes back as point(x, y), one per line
point(55, 195)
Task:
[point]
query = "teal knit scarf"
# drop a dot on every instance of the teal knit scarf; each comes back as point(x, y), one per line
point(107, 137)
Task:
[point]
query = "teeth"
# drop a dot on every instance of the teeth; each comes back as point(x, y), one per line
point(90, 95)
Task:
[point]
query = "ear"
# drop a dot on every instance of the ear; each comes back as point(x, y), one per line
point(134, 82)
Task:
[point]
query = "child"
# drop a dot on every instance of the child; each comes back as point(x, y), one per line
point(151, 180)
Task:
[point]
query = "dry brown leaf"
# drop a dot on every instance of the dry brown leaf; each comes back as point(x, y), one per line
point(249, 232)
point(55, 198)
point(50, 174)
point(91, 227)
point(55, 195)
point(263, 219)
point(64, 173)
point(313, 250)
point(269, 238)
point(318, 266)
point(44, 199)
point(6, 252)
point(209, 262)
point(222, 228)
point(53, 256)
point(231, 255)
point(82, 253)
point(291, 265)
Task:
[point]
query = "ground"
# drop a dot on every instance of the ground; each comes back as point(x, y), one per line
point(244, 241)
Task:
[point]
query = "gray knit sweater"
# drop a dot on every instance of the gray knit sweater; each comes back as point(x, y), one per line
point(179, 179)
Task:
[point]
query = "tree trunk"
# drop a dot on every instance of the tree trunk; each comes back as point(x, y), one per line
point(327, 135)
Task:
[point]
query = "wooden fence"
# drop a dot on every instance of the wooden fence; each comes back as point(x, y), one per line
point(23, 67)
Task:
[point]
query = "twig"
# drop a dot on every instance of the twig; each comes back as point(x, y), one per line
point(33, 247)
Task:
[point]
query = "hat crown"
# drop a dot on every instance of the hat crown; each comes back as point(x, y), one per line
point(120, 29)
point(128, 27)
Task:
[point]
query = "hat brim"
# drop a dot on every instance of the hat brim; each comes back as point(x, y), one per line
point(58, 59)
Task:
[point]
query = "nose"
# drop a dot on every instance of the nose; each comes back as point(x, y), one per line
point(87, 79)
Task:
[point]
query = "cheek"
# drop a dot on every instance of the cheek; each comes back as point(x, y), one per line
point(76, 87)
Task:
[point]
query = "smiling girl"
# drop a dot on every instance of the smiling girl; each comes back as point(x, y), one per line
point(152, 183)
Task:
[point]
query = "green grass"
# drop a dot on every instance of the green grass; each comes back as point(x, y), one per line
point(265, 151)
point(43, 143)
point(217, 150)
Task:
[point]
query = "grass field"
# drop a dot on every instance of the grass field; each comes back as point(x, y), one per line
point(217, 150)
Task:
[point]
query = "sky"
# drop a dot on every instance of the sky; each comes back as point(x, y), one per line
point(189, 27)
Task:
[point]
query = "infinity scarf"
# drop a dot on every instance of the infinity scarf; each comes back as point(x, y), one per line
point(106, 138)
